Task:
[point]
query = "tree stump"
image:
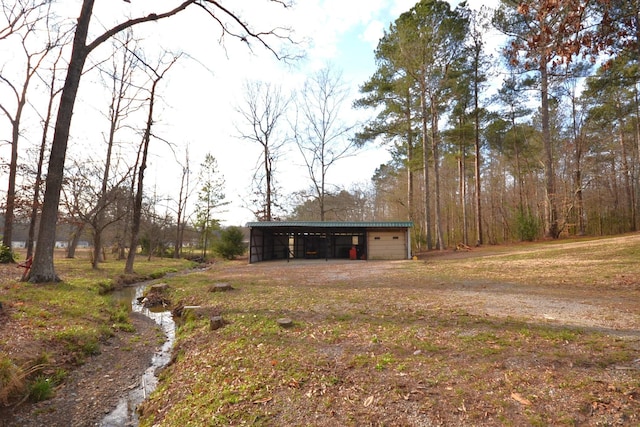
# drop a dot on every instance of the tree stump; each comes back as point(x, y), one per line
point(159, 288)
point(285, 322)
point(216, 322)
point(154, 297)
point(220, 287)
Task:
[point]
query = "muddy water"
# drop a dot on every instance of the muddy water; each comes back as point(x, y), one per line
point(125, 413)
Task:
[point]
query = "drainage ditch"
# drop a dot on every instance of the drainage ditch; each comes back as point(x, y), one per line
point(125, 413)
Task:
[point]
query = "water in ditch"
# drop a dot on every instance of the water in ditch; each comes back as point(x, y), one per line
point(125, 413)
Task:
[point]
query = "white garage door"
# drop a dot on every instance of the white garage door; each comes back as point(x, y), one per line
point(387, 244)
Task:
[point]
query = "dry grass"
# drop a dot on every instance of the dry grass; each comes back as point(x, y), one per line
point(541, 334)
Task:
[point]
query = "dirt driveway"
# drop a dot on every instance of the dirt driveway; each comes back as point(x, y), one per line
point(613, 310)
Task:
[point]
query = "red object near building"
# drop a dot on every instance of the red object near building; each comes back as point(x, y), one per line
point(353, 253)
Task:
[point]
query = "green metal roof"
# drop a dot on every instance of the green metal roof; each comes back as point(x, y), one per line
point(331, 224)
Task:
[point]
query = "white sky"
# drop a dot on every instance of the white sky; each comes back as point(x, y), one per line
point(199, 98)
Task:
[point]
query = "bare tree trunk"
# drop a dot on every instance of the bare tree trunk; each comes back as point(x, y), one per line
point(118, 109)
point(11, 190)
point(435, 143)
point(627, 180)
point(10, 205)
point(552, 229)
point(73, 242)
point(410, 175)
point(577, 160)
point(137, 203)
point(463, 192)
point(42, 269)
point(478, 161)
point(637, 131)
point(182, 203)
point(267, 171)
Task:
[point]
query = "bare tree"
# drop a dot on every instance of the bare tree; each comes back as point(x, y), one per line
point(78, 195)
point(18, 14)
point(262, 114)
point(322, 137)
point(158, 73)
point(13, 108)
point(120, 79)
point(183, 197)
point(54, 91)
point(230, 23)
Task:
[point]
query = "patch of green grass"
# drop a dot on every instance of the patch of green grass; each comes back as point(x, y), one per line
point(44, 358)
point(119, 318)
point(79, 341)
point(358, 338)
point(361, 360)
point(429, 347)
point(536, 420)
point(42, 388)
point(383, 361)
point(559, 335)
point(343, 317)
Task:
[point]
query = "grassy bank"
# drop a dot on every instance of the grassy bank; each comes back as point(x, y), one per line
point(48, 329)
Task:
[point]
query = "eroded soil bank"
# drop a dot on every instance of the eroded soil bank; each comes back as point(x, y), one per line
point(94, 389)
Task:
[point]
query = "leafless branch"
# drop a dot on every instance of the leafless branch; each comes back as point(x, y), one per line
point(18, 15)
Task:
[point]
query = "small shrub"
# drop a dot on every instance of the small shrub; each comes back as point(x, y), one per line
point(6, 255)
point(528, 226)
point(231, 243)
point(41, 389)
point(43, 358)
point(79, 341)
point(59, 375)
point(91, 348)
point(105, 287)
point(157, 274)
point(120, 319)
